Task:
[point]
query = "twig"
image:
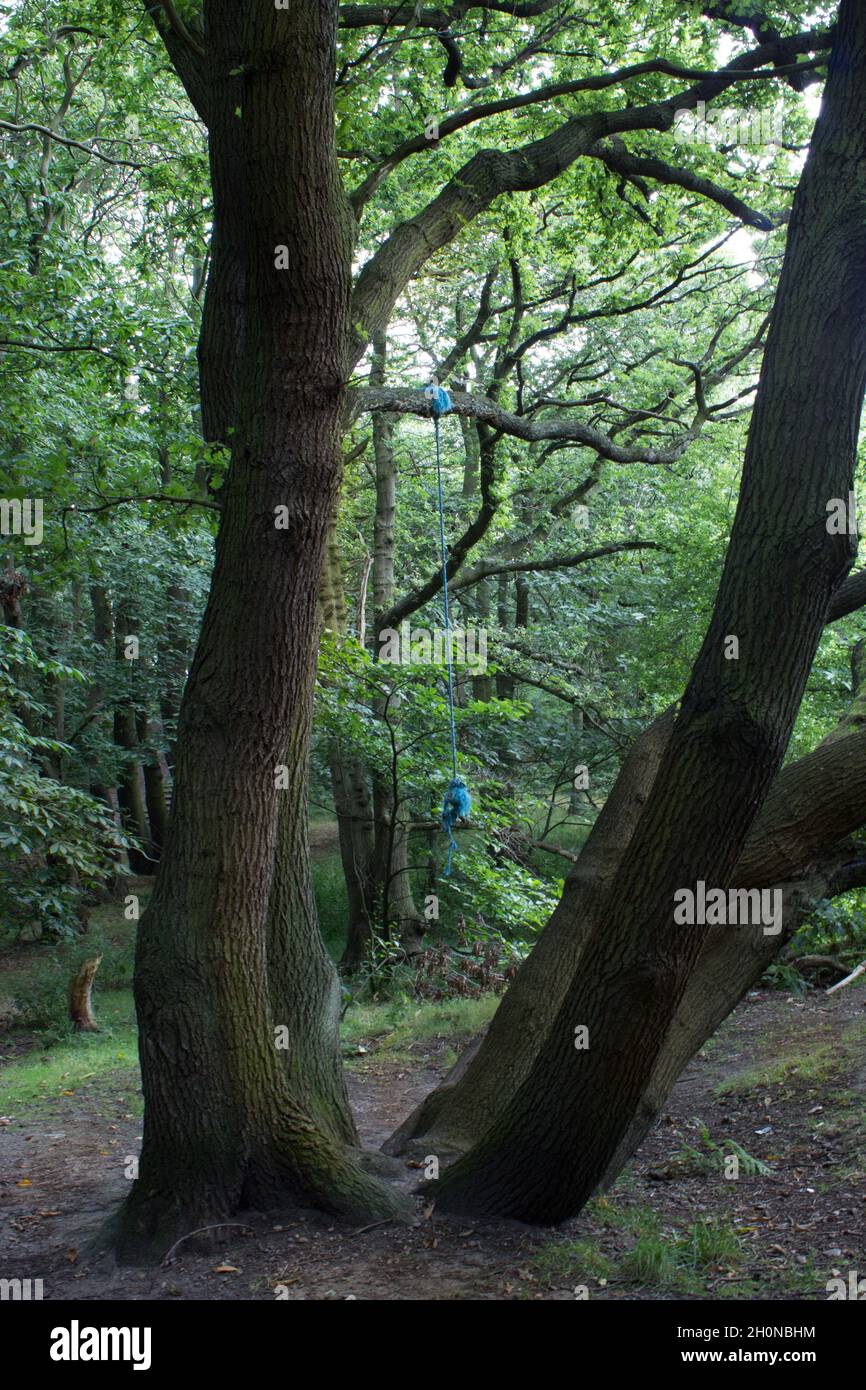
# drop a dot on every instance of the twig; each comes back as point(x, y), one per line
point(554, 849)
point(219, 1226)
point(362, 1230)
point(66, 140)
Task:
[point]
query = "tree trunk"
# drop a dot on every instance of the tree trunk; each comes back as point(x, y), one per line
point(350, 789)
point(80, 1001)
point(795, 843)
point(98, 713)
point(352, 803)
point(550, 1147)
point(233, 1118)
point(457, 1113)
point(131, 790)
point(173, 660)
point(374, 835)
point(157, 784)
point(504, 684)
point(482, 686)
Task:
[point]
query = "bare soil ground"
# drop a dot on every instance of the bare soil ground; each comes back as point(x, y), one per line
point(784, 1077)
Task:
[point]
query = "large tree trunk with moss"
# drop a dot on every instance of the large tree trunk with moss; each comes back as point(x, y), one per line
point(554, 1141)
point(235, 1115)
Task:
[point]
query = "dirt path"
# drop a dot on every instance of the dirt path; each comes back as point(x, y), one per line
point(784, 1078)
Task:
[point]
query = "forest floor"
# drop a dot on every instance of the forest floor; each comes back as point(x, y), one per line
point(785, 1078)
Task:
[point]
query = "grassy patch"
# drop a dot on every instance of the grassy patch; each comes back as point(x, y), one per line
point(392, 1027)
point(677, 1260)
point(810, 1066)
point(811, 1063)
point(35, 978)
point(572, 1261)
point(672, 1260)
point(41, 1075)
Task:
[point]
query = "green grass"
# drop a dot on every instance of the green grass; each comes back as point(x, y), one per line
point(396, 1024)
point(573, 1261)
point(818, 1063)
point(676, 1261)
point(653, 1260)
point(44, 1074)
point(640, 1220)
point(673, 1260)
point(812, 1063)
point(35, 980)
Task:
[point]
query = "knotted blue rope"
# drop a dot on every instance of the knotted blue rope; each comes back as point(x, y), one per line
point(456, 806)
point(457, 801)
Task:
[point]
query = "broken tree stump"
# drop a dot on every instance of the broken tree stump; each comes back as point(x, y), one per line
point(80, 1003)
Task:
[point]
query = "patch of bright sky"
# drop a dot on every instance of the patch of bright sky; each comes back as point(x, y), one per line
point(745, 244)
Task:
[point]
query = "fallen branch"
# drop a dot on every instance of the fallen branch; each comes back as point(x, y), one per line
point(861, 969)
point(240, 1225)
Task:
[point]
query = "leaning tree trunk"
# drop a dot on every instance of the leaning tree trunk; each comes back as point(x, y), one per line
point(487, 1076)
point(812, 806)
point(552, 1144)
point(232, 1117)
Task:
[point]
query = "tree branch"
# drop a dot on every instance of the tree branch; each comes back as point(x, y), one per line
point(615, 156)
point(48, 134)
point(403, 401)
point(490, 173)
point(486, 569)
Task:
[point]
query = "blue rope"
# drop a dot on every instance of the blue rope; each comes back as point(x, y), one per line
point(457, 803)
point(445, 589)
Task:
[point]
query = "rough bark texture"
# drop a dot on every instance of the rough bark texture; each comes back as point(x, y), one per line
point(794, 844)
point(464, 1107)
point(228, 1119)
point(550, 1147)
point(80, 1000)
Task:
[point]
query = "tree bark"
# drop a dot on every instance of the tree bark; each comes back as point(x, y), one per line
point(80, 1000)
point(548, 1150)
point(229, 1121)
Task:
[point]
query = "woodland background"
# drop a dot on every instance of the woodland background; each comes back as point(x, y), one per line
point(602, 334)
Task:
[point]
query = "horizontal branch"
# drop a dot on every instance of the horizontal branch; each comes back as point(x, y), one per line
point(619, 160)
point(552, 91)
point(48, 134)
point(487, 569)
point(403, 401)
point(29, 345)
point(850, 596)
point(384, 16)
point(74, 509)
point(490, 173)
